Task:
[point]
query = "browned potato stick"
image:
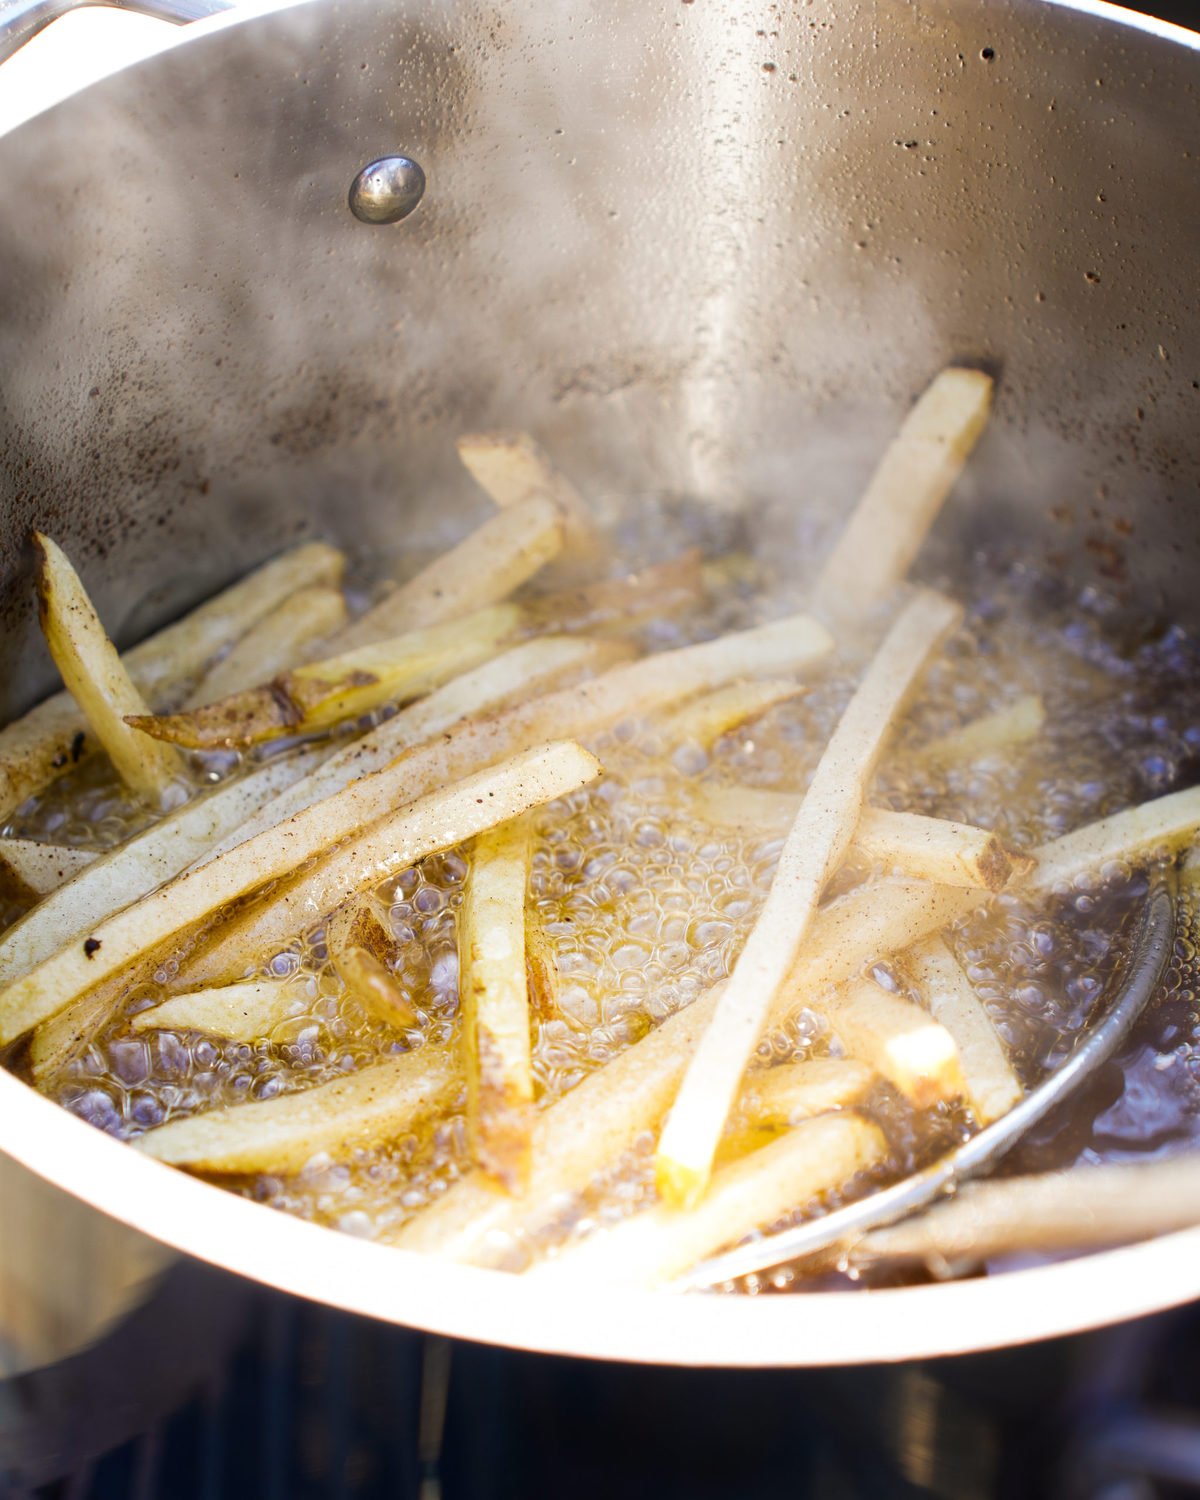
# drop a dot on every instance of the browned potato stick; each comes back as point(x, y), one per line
point(905, 494)
point(897, 1039)
point(777, 1098)
point(1161, 824)
point(494, 1003)
point(709, 717)
point(93, 674)
point(488, 565)
point(369, 854)
point(241, 1012)
point(992, 1086)
point(279, 1135)
point(650, 1248)
point(323, 693)
point(1022, 720)
point(512, 469)
point(140, 864)
point(273, 643)
point(818, 840)
point(357, 943)
point(52, 736)
point(620, 604)
point(541, 967)
point(623, 692)
point(42, 868)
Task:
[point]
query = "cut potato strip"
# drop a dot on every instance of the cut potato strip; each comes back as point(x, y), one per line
point(708, 718)
point(323, 693)
point(819, 838)
point(272, 644)
point(992, 1086)
point(484, 568)
point(241, 1012)
point(141, 864)
point(777, 1098)
point(42, 868)
point(652, 1247)
point(94, 675)
point(620, 604)
point(368, 856)
point(513, 470)
point(33, 749)
point(373, 1105)
point(494, 1002)
point(358, 944)
point(994, 733)
point(905, 494)
point(1137, 833)
point(896, 1038)
point(541, 968)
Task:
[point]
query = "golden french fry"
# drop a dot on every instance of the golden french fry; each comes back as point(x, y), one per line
point(483, 569)
point(279, 1135)
point(819, 838)
point(774, 1099)
point(650, 1248)
point(42, 868)
point(494, 1000)
point(905, 494)
point(620, 604)
point(1163, 823)
point(541, 967)
point(242, 1012)
point(513, 470)
point(1022, 720)
point(367, 856)
point(992, 1086)
point(706, 720)
point(357, 943)
point(897, 1039)
point(273, 643)
point(94, 675)
point(323, 693)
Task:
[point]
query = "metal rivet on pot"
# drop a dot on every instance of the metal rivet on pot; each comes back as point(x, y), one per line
point(387, 190)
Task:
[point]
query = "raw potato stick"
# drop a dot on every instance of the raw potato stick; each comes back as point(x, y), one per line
point(774, 1099)
point(905, 494)
point(992, 1086)
point(358, 943)
point(512, 468)
point(484, 568)
point(494, 1002)
point(897, 1039)
point(1020, 721)
point(650, 1248)
point(709, 717)
point(1161, 824)
point(241, 1012)
point(42, 868)
point(33, 749)
point(819, 838)
point(94, 675)
point(369, 855)
point(373, 1105)
point(273, 643)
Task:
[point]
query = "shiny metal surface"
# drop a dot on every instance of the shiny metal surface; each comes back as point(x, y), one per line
point(703, 250)
point(22, 19)
point(387, 190)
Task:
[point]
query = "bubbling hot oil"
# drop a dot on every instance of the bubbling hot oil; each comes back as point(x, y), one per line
point(643, 907)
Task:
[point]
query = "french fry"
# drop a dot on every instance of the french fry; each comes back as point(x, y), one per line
point(373, 1105)
point(905, 494)
point(272, 643)
point(620, 604)
point(714, 714)
point(141, 864)
point(42, 868)
point(369, 855)
point(494, 1001)
point(620, 693)
point(541, 968)
point(1022, 720)
point(650, 1248)
point(93, 674)
point(323, 693)
point(357, 943)
point(897, 1039)
point(484, 568)
point(513, 470)
point(992, 1086)
point(774, 1099)
point(819, 838)
point(52, 736)
point(1164, 823)
point(240, 1012)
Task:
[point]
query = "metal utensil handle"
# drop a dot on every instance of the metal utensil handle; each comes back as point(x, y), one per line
point(1151, 949)
point(22, 19)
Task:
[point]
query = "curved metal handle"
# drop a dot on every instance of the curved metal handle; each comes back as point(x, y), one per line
point(22, 19)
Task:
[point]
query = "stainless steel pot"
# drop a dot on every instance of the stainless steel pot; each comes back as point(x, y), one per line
point(710, 248)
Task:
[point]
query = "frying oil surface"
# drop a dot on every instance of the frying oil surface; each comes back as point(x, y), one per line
point(643, 906)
